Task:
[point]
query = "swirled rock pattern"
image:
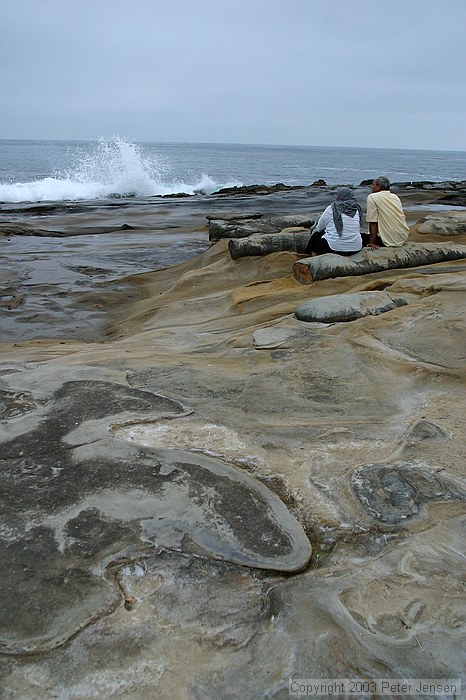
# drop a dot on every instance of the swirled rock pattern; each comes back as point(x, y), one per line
point(395, 493)
point(74, 498)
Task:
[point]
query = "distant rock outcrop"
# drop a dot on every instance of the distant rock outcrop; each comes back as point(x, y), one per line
point(258, 189)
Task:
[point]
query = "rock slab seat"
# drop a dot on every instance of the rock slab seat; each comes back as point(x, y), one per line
point(309, 270)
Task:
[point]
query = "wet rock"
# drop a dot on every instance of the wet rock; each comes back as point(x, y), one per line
point(348, 307)
point(15, 403)
point(457, 199)
point(425, 430)
point(75, 498)
point(393, 494)
point(388, 612)
point(257, 189)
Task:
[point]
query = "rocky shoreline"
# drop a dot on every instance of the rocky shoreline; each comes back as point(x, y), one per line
point(210, 485)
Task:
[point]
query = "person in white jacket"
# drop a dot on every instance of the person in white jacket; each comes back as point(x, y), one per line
point(338, 228)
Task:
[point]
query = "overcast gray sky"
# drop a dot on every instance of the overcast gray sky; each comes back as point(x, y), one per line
point(311, 72)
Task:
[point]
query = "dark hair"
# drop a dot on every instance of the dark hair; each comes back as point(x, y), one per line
point(384, 182)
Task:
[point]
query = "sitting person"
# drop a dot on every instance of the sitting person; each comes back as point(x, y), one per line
point(338, 228)
point(385, 216)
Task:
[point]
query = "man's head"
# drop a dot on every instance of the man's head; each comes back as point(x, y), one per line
point(380, 183)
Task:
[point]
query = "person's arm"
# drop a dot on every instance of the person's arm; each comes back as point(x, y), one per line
point(373, 231)
point(371, 218)
point(323, 221)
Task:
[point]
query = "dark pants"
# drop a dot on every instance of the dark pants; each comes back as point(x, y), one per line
point(319, 245)
point(366, 238)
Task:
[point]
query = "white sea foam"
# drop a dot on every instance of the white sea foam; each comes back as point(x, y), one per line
point(73, 170)
point(111, 168)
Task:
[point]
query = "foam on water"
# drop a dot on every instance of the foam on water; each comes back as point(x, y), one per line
point(41, 170)
point(111, 168)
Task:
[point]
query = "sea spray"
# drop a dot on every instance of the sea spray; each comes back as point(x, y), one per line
point(107, 169)
point(119, 167)
point(60, 170)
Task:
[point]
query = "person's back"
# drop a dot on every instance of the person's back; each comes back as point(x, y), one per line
point(349, 239)
point(338, 228)
point(386, 211)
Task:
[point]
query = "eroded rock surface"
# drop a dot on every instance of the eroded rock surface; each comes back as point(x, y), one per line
point(394, 493)
point(240, 227)
point(74, 498)
point(446, 224)
point(294, 240)
point(149, 477)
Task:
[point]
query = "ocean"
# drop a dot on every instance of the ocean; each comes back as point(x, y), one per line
point(40, 171)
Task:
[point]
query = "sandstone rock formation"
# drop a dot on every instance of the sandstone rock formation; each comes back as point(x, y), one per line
point(368, 260)
point(348, 307)
point(292, 239)
point(165, 478)
point(450, 224)
point(239, 227)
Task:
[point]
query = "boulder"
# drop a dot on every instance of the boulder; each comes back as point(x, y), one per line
point(309, 270)
point(348, 307)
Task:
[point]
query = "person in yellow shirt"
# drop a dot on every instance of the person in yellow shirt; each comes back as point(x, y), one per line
point(385, 216)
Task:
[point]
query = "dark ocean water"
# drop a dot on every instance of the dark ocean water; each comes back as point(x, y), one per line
point(80, 170)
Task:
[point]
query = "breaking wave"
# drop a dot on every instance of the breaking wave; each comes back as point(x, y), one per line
point(115, 168)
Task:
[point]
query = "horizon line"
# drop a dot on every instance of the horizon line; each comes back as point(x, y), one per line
point(234, 143)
